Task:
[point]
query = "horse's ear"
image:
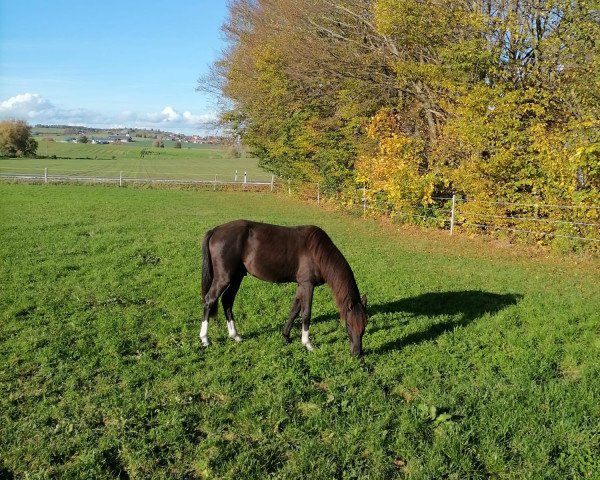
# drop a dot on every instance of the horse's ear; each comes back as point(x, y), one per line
point(363, 300)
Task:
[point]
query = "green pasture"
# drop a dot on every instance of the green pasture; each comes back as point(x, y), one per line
point(480, 362)
point(200, 162)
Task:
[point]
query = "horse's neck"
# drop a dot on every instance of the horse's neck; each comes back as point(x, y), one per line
point(335, 269)
point(343, 285)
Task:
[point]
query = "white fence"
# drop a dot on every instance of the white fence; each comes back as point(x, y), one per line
point(214, 181)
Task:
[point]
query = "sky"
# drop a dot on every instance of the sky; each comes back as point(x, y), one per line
point(110, 64)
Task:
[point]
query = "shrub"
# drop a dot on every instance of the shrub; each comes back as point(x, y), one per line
point(16, 139)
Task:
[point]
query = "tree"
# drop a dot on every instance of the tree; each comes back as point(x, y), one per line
point(491, 99)
point(303, 78)
point(82, 139)
point(16, 139)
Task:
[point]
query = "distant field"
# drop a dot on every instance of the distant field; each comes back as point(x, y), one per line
point(190, 162)
point(480, 363)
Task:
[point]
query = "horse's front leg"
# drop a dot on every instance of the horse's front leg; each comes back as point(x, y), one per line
point(306, 307)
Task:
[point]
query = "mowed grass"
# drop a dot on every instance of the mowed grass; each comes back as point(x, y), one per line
point(199, 162)
point(479, 363)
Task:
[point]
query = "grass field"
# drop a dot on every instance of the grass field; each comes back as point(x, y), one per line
point(479, 362)
point(200, 162)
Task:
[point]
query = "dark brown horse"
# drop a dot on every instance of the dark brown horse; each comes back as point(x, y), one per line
point(305, 255)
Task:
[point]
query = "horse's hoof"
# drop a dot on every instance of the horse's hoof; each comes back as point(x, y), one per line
point(286, 339)
point(237, 338)
point(205, 343)
point(309, 347)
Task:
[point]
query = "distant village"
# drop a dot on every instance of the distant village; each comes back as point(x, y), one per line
point(208, 140)
point(74, 134)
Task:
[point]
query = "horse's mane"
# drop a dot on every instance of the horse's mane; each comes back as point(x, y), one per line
point(334, 268)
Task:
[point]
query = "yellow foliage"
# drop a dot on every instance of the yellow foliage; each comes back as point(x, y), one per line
point(396, 169)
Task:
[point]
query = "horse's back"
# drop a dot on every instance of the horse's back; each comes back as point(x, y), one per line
point(270, 252)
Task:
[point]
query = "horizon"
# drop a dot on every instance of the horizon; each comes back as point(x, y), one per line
point(110, 67)
point(114, 130)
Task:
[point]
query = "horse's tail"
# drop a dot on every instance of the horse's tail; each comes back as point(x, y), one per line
point(207, 271)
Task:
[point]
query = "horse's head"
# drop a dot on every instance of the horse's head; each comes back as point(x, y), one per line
point(356, 321)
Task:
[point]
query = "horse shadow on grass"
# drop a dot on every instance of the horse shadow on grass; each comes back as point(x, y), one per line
point(463, 307)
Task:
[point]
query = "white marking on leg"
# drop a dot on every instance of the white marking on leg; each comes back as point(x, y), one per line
point(204, 333)
point(232, 331)
point(306, 340)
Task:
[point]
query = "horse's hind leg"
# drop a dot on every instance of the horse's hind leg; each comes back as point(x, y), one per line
point(217, 288)
point(227, 300)
point(287, 327)
point(204, 333)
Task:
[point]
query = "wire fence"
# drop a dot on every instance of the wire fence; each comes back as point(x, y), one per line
point(537, 222)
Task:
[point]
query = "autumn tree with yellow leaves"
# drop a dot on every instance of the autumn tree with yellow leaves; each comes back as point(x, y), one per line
point(419, 99)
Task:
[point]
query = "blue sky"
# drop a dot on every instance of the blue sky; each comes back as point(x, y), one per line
point(109, 63)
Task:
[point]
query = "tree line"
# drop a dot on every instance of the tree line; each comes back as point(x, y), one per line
point(418, 99)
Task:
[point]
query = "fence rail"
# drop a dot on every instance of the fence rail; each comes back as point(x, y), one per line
point(123, 180)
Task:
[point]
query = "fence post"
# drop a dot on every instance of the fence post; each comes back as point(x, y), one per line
point(235, 179)
point(364, 199)
point(289, 187)
point(245, 177)
point(318, 194)
point(452, 214)
point(215, 184)
point(272, 181)
point(46, 175)
point(120, 179)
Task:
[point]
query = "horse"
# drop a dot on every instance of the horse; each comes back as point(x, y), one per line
point(303, 254)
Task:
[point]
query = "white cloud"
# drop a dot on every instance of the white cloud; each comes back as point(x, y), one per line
point(170, 114)
point(170, 119)
point(207, 118)
point(26, 105)
point(34, 108)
